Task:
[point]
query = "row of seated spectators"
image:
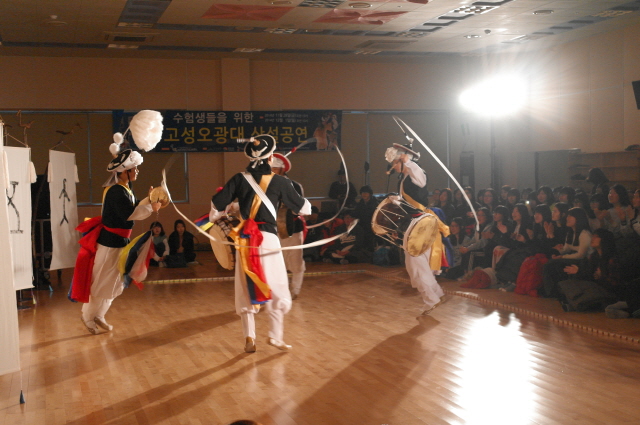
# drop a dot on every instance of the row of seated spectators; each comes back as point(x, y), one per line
point(581, 248)
point(177, 250)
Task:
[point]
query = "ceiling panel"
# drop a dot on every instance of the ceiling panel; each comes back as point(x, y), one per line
point(84, 27)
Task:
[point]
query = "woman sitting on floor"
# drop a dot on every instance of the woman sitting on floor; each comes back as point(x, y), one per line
point(181, 247)
point(160, 243)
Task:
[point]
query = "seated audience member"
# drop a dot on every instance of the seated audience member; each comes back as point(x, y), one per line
point(504, 193)
point(499, 236)
point(598, 269)
point(435, 197)
point(160, 243)
point(181, 247)
point(618, 217)
point(522, 230)
point(338, 190)
point(458, 240)
point(525, 193)
point(349, 248)
point(330, 228)
point(542, 241)
point(445, 203)
point(597, 178)
point(489, 199)
point(576, 247)
point(558, 231)
point(599, 205)
point(363, 211)
point(481, 238)
point(556, 192)
point(531, 201)
point(545, 196)
point(581, 200)
point(463, 210)
point(566, 195)
point(513, 198)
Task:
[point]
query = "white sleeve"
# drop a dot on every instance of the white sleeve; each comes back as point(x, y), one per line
point(583, 247)
point(418, 176)
point(142, 211)
point(214, 214)
point(306, 208)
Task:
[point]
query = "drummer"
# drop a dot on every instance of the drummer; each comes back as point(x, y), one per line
point(290, 229)
point(413, 190)
point(262, 282)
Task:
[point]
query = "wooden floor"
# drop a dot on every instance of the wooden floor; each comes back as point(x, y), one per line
point(361, 355)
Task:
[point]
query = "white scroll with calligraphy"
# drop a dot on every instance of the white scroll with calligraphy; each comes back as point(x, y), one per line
point(9, 336)
point(18, 194)
point(62, 178)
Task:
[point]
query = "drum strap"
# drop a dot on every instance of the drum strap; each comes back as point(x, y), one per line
point(260, 193)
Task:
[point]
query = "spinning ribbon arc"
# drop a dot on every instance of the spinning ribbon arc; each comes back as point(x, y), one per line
point(404, 127)
point(309, 245)
point(346, 175)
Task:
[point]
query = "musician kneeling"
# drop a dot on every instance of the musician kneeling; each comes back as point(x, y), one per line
point(413, 190)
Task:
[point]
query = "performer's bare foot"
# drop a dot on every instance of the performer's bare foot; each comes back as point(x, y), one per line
point(279, 344)
point(103, 324)
point(249, 345)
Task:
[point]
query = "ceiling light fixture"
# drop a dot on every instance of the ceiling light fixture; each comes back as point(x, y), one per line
point(471, 36)
point(54, 22)
point(360, 5)
point(543, 12)
point(122, 46)
point(135, 25)
point(280, 30)
point(248, 50)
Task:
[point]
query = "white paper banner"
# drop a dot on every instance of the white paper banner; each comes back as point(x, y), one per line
point(64, 209)
point(9, 342)
point(19, 208)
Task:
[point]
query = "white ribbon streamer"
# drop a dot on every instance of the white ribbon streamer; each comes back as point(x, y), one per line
point(308, 245)
point(464, 194)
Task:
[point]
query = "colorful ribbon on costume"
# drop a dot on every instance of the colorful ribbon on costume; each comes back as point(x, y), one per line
point(134, 259)
point(249, 238)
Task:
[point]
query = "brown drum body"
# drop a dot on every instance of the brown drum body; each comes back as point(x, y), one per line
point(389, 218)
point(225, 254)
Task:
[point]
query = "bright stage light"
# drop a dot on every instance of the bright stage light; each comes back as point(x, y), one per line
point(495, 97)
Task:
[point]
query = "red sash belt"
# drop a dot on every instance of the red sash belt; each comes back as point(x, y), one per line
point(125, 233)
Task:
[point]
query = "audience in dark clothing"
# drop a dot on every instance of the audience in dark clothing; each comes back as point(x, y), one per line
point(181, 247)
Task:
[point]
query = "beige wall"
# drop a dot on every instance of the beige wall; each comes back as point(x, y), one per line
point(581, 97)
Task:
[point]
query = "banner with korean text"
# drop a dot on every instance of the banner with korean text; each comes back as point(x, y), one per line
point(217, 131)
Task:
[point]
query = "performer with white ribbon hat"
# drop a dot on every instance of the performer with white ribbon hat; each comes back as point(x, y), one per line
point(413, 190)
point(261, 274)
point(97, 280)
point(291, 228)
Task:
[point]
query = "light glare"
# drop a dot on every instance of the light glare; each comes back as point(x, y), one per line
point(495, 97)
